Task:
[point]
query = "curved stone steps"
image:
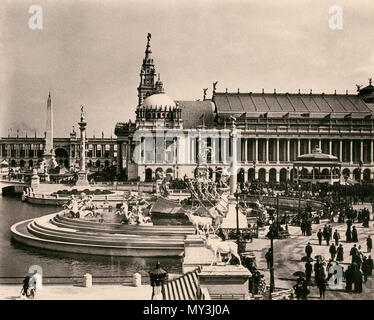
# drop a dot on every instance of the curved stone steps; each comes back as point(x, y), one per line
point(175, 228)
point(52, 229)
point(125, 229)
point(43, 233)
point(53, 235)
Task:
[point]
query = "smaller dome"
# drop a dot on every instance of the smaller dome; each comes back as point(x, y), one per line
point(159, 100)
point(317, 155)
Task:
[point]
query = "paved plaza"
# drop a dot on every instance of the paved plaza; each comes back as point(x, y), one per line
point(70, 292)
point(288, 254)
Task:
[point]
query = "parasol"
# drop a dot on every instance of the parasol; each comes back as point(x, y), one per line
point(299, 274)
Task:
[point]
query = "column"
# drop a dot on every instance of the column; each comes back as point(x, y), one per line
point(350, 151)
point(154, 151)
point(341, 150)
point(175, 144)
point(256, 150)
point(309, 145)
point(245, 150)
point(224, 150)
point(213, 153)
point(362, 151)
point(298, 147)
point(119, 162)
point(233, 177)
point(330, 146)
point(371, 151)
point(277, 153)
point(288, 150)
point(267, 151)
point(277, 176)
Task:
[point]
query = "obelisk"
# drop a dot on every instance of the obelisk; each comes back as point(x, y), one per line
point(82, 173)
point(49, 154)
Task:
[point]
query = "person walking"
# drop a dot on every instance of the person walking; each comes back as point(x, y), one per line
point(322, 287)
point(319, 236)
point(308, 251)
point(357, 278)
point(336, 237)
point(354, 253)
point(370, 265)
point(348, 279)
point(330, 231)
point(354, 234)
point(326, 235)
point(332, 251)
point(308, 271)
point(340, 253)
point(348, 235)
point(369, 244)
point(268, 257)
point(365, 269)
point(317, 271)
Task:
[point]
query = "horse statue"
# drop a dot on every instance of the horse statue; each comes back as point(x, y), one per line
point(222, 247)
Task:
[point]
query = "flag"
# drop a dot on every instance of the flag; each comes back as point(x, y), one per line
point(286, 115)
point(243, 115)
point(348, 116)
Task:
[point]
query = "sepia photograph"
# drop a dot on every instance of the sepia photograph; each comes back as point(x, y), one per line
point(202, 151)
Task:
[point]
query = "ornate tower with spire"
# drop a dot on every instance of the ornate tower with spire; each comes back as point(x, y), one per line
point(147, 74)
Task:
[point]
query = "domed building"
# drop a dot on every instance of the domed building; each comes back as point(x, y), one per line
point(275, 130)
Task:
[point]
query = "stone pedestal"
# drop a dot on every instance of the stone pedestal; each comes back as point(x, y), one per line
point(137, 280)
point(225, 282)
point(87, 280)
point(82, 179)
point(229, 222)
point(195, 253)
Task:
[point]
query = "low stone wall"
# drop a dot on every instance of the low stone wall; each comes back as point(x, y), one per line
point(285, 203)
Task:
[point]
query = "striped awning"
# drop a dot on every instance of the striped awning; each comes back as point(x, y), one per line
point(186, 287)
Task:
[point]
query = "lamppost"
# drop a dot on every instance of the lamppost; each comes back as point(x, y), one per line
point(271, 235)
point(254, 170)
point(299, 187)
point(237, 219)
point(288, 169)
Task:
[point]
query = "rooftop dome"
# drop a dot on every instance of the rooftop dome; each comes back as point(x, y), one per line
point(159, 100)
point(317, 155)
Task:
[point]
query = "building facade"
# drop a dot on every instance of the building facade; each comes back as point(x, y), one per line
point(26, 152)
point(173, 137)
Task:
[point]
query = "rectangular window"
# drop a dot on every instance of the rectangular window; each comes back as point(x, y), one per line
point(98, 151)
point(107, 151)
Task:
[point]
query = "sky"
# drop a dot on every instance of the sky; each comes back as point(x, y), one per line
point(90, 53)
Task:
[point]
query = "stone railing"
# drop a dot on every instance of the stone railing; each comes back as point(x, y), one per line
point(284, 202)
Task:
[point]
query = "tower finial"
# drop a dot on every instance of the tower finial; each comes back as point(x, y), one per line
point(49, 94)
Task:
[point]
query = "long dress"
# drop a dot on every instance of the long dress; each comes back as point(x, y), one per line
point(340, 254)
point(354, 235)
point(348, 235)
